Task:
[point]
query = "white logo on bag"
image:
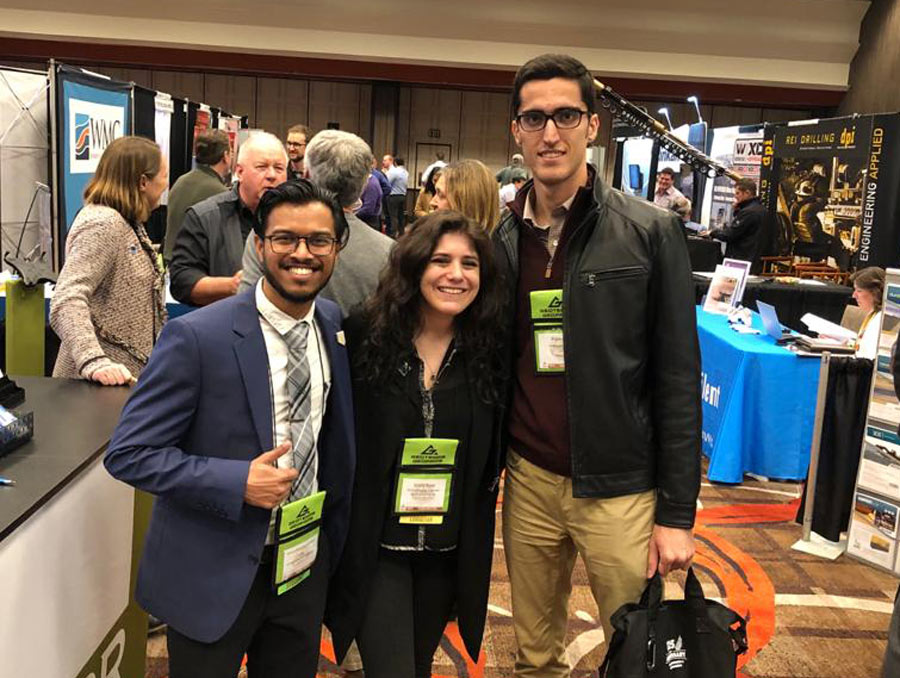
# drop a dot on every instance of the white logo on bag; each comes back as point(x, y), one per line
point(676, 657)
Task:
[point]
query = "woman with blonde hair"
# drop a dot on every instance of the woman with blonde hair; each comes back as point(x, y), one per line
point(109, 303)
point(467, 186)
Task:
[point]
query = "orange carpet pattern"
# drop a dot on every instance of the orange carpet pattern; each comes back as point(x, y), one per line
point(807, 617)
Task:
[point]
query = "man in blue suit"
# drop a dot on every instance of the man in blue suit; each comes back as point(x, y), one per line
point(244, 406)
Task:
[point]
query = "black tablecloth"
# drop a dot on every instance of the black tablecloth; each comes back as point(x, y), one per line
point(792, 301)
point(705, 254)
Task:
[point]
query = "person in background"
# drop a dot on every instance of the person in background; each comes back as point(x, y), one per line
point(745, 235)
point(468, 187)
point(440, 161)
point(426, 195)
point(517, 179)
point(379, 174)
point(868, 291)
point(396, 201)
point(297, 137)
point(109, 304)
point(206, 258)
point(339, 162)
point(668, 197)
point(213, 157)
point(370, 202)
point(426, 368)
point(503, 176)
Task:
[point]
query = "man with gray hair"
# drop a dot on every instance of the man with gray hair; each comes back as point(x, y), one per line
point(340, 162)
point(206, 258)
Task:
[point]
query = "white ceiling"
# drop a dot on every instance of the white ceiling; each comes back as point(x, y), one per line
point(796, 43)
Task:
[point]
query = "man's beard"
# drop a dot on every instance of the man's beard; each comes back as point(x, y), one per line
point(290, 296)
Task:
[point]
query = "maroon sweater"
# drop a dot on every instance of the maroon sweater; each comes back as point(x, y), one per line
point(539, 419)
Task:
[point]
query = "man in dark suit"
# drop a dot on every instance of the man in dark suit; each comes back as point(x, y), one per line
point(244, 405)
point(746, 237)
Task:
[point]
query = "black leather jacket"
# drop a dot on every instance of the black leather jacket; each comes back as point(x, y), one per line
point(631, 351)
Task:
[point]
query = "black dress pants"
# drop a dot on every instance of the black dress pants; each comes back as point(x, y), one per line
point(410, 601)
point(396, 208)
point(281, 635)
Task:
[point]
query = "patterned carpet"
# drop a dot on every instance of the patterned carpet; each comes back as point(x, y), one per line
point(808, 617)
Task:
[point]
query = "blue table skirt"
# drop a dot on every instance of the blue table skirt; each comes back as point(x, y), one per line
point(759, 402)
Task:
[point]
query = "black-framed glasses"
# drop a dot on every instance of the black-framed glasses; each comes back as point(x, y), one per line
point(318, 244)
point(295, 144)
point(563, 118)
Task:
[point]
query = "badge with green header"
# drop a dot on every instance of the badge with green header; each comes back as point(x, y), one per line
point(300, 514)
point(546, 305)
point(429, 452)
point(297, 537)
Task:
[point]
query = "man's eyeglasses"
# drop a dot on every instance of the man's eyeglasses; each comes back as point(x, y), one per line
point(294, 144)
point(563, 118)
point(286, 243)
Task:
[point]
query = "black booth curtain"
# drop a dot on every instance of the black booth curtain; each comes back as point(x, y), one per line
point(145, 126)
point(145, 112)
point(843, 426)
point(178, 162)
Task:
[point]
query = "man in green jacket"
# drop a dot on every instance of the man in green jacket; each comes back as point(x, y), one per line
point(213, 155)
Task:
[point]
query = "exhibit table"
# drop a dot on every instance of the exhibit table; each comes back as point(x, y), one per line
point(69, 534)
point(759, 402)
point(792, 301)
point(705, 254)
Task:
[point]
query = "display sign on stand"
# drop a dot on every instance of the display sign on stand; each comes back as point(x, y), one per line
point(832, 186)
point(873, 535)
point(92, 112)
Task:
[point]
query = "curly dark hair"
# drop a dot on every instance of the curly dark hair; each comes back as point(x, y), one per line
point(393, 314)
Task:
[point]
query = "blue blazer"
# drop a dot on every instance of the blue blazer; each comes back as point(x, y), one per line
point(199, 414)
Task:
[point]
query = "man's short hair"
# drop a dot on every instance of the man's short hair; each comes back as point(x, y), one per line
point(258, 140)
point(300, 129)
point(667, 170)
point(339, 162)
point(518, 159)
point(746, 185)
point(548, 66)
point(398, 161)
point(211, 146)
point(300, 192)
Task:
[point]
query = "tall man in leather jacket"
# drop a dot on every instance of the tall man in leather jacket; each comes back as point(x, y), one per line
point(603, 431)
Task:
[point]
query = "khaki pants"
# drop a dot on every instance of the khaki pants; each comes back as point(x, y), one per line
point(543, 528)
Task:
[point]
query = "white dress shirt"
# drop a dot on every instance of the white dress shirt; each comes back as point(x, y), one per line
point(275, 323)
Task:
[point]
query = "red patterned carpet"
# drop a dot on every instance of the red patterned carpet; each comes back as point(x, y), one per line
point(808, 617)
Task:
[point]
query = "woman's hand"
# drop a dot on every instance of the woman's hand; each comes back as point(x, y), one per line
point(113, 375)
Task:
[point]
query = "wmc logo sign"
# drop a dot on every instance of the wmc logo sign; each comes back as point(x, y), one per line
point(92, 127)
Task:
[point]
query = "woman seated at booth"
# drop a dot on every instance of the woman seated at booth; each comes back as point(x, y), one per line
point(868, 290)
point(109, 303)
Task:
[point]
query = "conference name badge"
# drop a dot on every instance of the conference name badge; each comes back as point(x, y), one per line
point(546, 318)
point(424, 481)
point(297, 541)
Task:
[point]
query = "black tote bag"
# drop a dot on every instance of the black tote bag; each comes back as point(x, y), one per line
point(690, 638)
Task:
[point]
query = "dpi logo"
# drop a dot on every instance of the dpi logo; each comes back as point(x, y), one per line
point(429, 451)
point(556, 302)
point(676, 655)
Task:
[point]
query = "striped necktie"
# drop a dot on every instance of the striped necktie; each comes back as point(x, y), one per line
point(299, 411)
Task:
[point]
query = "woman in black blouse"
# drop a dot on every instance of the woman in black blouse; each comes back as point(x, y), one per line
point(426, 373)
